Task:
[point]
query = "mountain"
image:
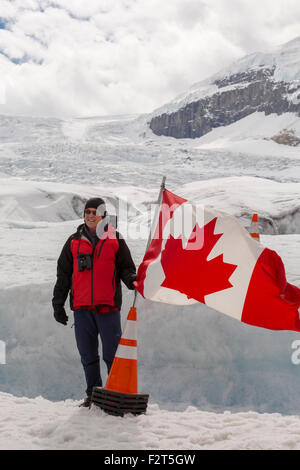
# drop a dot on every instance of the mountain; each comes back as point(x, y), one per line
point(261, 82)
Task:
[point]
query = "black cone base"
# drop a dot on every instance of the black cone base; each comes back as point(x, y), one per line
point(119, 404)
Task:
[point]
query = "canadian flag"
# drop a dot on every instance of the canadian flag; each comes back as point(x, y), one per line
point(198, 254)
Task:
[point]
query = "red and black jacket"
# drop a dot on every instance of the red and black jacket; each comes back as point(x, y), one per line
point(111, 262)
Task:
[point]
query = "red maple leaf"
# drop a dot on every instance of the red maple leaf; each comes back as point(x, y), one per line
point(188, 271)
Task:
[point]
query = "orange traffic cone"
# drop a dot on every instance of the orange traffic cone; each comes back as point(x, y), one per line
point(123, 374)
point(254, 231)
point(120, 394)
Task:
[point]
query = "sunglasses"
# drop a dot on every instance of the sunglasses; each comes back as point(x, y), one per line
point(89, 211)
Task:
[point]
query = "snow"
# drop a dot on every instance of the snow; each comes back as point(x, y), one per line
point(214, 383)
point(254, 133)
point(39, 424)
point(98, 158)
point(285, 59)
point(33, 211)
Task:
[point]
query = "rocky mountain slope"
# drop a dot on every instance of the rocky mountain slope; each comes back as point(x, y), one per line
point(268, 83)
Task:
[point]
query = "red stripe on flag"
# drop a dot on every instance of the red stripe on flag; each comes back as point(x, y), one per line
point(170, 202)
point(271, 302)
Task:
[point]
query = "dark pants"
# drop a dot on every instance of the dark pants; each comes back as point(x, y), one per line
point(88, 325)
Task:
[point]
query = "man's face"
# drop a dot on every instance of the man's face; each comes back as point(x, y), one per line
point(91, 218)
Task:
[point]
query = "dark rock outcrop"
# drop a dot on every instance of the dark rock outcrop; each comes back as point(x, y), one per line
point(248, 92)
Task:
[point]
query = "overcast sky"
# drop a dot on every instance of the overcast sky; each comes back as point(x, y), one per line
point(70, 58)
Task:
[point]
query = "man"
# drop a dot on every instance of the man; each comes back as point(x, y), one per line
point(90, 267)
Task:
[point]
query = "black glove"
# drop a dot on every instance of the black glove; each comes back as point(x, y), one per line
point(131, 285)
point(60, 315)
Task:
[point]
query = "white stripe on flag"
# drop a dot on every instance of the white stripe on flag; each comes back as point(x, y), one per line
point(237, 248)
point(126, 352)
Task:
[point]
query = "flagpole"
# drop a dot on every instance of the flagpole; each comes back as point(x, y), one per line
point(159, 200)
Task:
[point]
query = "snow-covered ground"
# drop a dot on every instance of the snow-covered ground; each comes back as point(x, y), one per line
point(124, 152)
point(35, 424)
point(213, 381)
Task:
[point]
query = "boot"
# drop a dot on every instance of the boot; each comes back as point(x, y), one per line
point(87, 402)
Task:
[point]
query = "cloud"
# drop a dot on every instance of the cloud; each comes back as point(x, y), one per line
point(82, 58)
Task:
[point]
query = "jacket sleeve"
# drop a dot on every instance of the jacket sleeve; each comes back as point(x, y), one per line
point(64, 275)
point(124, 264)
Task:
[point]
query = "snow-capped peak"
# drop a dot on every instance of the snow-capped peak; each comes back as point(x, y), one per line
point(284, 58)
point(282, 63)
